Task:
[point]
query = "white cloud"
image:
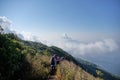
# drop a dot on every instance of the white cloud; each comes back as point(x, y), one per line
point(7, 26)
point(102, 51)
point(65, 36)
point(76, 47)
point(29, 36)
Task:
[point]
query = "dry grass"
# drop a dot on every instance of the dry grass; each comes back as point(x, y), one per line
point(69, 71)
point(40, 66)
point(65, 70)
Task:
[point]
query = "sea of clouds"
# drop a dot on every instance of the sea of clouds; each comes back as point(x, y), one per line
point(104, 52)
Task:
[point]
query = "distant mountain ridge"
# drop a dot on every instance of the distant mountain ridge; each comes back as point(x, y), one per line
point(92, 68)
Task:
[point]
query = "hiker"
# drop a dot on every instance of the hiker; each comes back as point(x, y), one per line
point(53, 62)
point(58, 60)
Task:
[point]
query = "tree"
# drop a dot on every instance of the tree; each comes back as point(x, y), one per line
point(99, 73)
point(1, 29)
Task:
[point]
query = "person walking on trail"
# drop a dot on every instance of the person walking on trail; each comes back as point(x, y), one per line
point(54, 62)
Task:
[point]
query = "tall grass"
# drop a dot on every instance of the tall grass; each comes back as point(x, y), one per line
point(66, 70)
point(69, 71)
point(40, 66)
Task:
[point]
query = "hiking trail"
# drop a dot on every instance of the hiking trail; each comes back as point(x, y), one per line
point(53, 75)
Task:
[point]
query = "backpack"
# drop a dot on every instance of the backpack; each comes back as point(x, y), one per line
point(52, 61)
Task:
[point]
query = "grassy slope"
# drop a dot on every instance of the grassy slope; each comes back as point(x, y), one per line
point(28, 60)
point(87, 66)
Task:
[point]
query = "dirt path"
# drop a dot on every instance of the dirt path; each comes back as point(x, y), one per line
point(53, 75)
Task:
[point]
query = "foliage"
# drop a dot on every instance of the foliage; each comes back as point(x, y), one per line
point(40, 67)
point(99, 73)
point(15, 62)
point(11, 58)
point(1, 29)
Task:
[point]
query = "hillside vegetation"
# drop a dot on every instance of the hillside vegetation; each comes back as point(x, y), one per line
point(26, 60)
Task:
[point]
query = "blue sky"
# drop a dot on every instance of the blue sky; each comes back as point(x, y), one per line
point(63, 16)
point(87, 29)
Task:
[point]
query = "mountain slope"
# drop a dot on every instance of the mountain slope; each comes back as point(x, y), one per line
point(96, 70)
point(87, 66)
point(27, 60)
